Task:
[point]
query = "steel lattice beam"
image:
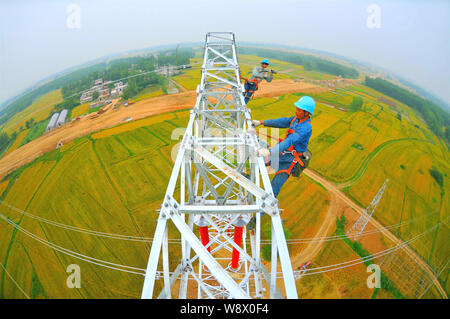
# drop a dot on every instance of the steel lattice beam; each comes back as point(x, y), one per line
point(221, 184)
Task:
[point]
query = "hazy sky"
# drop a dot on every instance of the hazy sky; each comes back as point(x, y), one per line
point(40, 37)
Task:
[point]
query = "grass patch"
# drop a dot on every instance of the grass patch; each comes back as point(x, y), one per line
point(35, 131)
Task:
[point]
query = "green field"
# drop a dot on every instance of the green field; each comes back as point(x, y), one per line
point(17, 142)
point(401, 150)
point(39, 110)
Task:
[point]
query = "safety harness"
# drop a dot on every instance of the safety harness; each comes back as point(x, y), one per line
point(256, 80)
point(291, 150)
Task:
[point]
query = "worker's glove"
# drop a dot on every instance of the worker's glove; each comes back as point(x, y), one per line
point(264, 152)
point(256, 123)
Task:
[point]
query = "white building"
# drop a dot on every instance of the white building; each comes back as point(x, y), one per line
point(85, 97)
point(52, 123)
point(62, 118)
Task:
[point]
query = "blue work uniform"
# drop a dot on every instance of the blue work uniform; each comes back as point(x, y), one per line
point(299, 139)
point(251, 85)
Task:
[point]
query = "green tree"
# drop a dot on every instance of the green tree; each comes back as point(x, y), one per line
point(29, 123)
point(437, 175)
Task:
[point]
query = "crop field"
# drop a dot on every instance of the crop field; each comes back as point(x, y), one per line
point(81, 110)
point(190, 78)
point(39, 110)
point(412, 194)
point(149, 92)
point(3, 186)
point(346, 283)
point(361, 149)
point(20, 193)
point(113, 180)
point(303, 220)
point(112, 183)
point(17, 142)
point(132, 125)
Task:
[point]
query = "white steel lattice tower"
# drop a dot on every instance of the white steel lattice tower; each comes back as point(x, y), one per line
point(216, 185)
point(360, 224)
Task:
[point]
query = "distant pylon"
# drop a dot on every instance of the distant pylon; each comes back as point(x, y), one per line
point(360, 224)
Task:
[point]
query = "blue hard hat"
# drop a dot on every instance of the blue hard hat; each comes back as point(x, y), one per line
point(306, 103)
point(265, 61)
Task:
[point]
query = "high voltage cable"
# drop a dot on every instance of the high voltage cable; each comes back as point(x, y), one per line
point(310, 271)
point(431, 283)
point(15, 282)
point(174, 241)
point(74, 254)
point(366, 258)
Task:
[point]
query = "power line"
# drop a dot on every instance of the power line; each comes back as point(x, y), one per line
point(311, 271)
point(175, 241)
point(99, 262)
point(369, 257)
point(15, 282)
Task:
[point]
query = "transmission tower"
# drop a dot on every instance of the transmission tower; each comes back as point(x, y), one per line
point(360, 224)
point(216, 186)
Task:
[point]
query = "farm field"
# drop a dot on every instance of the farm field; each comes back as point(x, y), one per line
point(112, 173)
point(39, 110)
point(80, 110)
point(149, 92)
point(128, 168)
point(341, 284)
point(17, 142)
point(387, 148)
point(411, 193)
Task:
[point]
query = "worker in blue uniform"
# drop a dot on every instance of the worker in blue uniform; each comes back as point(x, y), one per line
point(291, 154)
point(259, 73)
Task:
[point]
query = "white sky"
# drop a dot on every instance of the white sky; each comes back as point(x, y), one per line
point(35, 40)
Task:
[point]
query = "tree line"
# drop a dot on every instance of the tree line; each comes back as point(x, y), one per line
point(6, 140)
point(437, 119)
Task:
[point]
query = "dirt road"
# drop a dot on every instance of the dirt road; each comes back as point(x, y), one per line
point(110, 118)
point(287, 86)
point(92, 123)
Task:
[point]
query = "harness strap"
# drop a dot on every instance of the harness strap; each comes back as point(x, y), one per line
point(255, 81)
point(292, 151)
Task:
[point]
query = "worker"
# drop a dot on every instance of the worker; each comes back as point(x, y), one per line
point(259, 73)
point(292, 152)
